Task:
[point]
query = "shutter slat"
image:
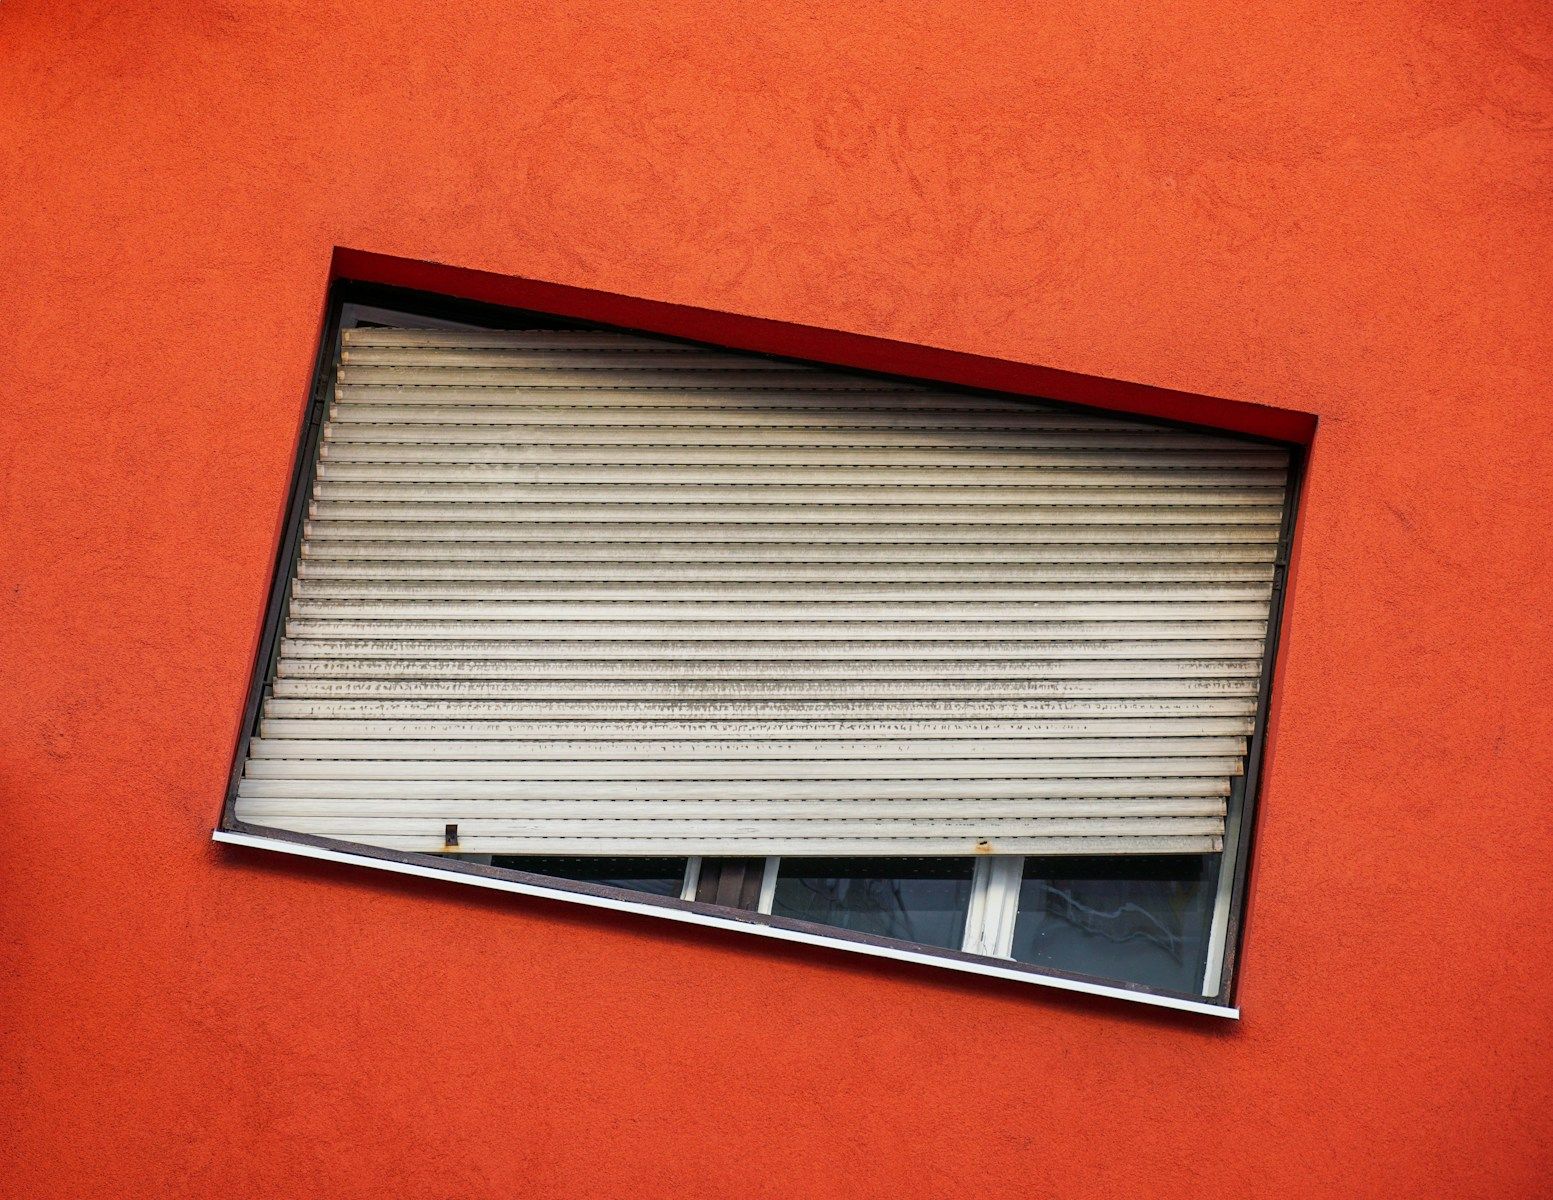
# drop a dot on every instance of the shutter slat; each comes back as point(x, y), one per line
point(894, 815)
point(944, 419)
point(361, 590)
point(559, 358)
point(508, 750)
point(426, 837)
point(857, 479)
point(881, 555)
point(1073, 630)
point(698, 375)
point(900, 734)
point(497, 650)
point(935, 500)
point(931, 577)
point(951, 442)
point(734, 770)
point(718, 791)
point(756, 457)
point(384, 667)
point(303, 608)
point(581, 592)
point(533, 339)
point(774, 394)
point(333, 518)
point(969, 539)
point(763, 710)
point(724, 688)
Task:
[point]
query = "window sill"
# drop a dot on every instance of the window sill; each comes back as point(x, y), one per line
point(699, 914)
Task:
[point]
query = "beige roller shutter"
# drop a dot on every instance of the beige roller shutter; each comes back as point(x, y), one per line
point(588, 593)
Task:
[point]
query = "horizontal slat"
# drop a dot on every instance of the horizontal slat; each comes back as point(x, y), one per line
point(626, 359)
point(893, 575)
point(535, 339)
point(798, 458)
point(860, 479)
point(813, 438)
point(764, 412)
point(513, 752)
point(900, 734)
point(892, 709)
point(672, 592)
point(1073, 630)
point(753, 611)
point(735, 770)
point(871, 554)
point(717, 792)
point(890, 817)
point(382, 667)
point(949, 499)
point(495, 650)
point(759, 689)
point(781, 375)
point(427, 839)
point(1002, 539)
point(811, 520)
point(712, 820)
point(790, 393)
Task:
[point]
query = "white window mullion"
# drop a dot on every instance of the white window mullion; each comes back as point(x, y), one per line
point(687, 889)
point(768, 882)
point(1003, 901)
point(975, 939)
point(989, 924)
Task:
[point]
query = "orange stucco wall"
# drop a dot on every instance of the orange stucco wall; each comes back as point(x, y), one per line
point(1329, 209)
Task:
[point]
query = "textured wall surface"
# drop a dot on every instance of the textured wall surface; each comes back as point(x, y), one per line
point(1335, 209)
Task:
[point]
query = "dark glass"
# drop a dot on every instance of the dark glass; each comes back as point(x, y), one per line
point(1139, 920)
point(916, 899)
point(660, 876)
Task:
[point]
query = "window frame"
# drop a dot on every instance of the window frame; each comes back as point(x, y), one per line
point(990, 921)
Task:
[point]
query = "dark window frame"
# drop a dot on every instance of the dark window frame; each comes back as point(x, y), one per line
point(727, 888)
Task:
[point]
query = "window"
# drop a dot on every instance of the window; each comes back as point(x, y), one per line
point(921, 900)
point(1144, 920)
point(659, 876)
point(914, 668)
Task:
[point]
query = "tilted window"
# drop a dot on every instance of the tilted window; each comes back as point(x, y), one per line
point(569, 599)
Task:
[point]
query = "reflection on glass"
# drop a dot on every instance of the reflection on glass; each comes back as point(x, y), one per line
point(660, 876)
point(916, 899)
point(1133, 919)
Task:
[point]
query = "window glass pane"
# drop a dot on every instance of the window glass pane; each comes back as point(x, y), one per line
point(661, 876)
point(1134, 919)
point(916, 899)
